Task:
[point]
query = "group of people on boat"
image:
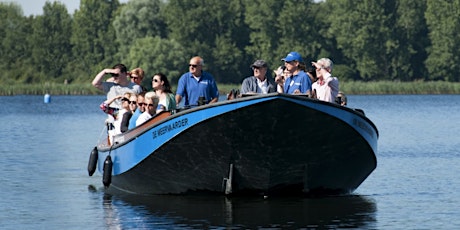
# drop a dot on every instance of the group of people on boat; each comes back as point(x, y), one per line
point(129, 104)
point(295, 78)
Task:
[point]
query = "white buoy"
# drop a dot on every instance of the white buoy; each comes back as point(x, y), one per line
point(47, 99)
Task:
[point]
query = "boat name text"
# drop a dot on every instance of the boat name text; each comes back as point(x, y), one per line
point(364, 127)
point(169, 127)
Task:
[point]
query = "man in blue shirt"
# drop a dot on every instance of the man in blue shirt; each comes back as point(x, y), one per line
point(197, 86)
point(299, 82)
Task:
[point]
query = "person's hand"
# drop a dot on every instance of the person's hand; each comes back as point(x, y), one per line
point(297, 91)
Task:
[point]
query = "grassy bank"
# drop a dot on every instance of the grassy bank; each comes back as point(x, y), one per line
point(383, 87)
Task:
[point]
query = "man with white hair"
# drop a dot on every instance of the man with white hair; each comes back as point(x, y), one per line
point(151, 103)
point(327, 86)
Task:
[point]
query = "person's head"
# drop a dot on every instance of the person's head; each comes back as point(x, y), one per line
point(196, 66)
point(125, 100)
point(160, 82)
point(151, 102)
point(121, 73)
point(137, 75)
point(292, 61)
point(259, 69)
point(133, 102)
point(323, 64)
point(140, 102)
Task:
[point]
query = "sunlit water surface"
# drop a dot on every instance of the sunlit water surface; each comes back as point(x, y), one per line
point(44, 151)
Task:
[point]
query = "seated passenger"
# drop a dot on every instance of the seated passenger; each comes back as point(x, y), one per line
point(151, 103)
point(327, 86)
point(259, 82)
point(162, 88)
point(118, 123)
point(126, 118)
point(140, 109)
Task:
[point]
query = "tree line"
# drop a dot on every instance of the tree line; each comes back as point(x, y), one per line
point(368, 40)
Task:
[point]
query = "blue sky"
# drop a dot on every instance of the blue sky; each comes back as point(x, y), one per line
point(35, 7)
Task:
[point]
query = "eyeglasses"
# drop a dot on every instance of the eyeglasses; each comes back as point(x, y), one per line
point(115, 74)
point(289, 62)
point(132, 102)
point(149, 105)
point(155, 80)
point(192, 65)
point(141, 104)
point(135, 78)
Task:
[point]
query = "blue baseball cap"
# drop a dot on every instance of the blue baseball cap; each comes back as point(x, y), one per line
point(293, 56)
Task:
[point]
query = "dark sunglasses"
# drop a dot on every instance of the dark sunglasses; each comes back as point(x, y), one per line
point(149, 105)
point(135, 78)
point(155, 80)
point(115, 74)
point(140, 104)
point(191, 65)
point(132, 102)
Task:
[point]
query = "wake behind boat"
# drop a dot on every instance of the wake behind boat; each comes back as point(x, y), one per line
point(272, 144)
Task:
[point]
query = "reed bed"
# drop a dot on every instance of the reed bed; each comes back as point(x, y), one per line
point(381, 87)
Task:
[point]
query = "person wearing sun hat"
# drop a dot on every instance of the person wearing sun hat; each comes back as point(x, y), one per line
point(259, 82)
point(299, 82)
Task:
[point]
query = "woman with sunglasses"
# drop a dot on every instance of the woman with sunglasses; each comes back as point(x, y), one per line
point(137, 75)
point(162, 88)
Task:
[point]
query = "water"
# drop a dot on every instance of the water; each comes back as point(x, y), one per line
point(44, 152)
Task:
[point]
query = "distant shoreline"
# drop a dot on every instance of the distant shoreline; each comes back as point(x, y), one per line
point(358, 88)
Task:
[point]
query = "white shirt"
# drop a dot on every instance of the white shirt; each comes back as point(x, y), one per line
point(328, 90)
point(145, 116)
point(263, 86)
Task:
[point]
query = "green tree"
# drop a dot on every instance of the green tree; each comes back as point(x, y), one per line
point(262, 18)
point(51, 40)
point(155, 54)
point(212, 29)
point(297, 30)
point(15, 50)
point(93, 38)
point(138, 19)
point(361, 31)
point(406, 47)
point(444, 53)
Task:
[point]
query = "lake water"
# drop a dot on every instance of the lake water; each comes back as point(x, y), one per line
point(44, 182)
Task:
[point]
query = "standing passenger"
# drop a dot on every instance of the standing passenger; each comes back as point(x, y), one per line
point(327, 86)
point(137, 75)
point(196, 86)
point(259, 82)
point(162, 88)
point(299, 82)
point(119, 86)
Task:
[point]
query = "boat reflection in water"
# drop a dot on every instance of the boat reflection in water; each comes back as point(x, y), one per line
point(204, 212)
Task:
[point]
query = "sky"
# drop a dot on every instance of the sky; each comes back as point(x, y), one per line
point(35, 7)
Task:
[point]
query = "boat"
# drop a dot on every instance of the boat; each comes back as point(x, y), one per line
point(265, 144)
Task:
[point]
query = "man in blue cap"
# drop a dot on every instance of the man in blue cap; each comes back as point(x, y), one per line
point(299, 82)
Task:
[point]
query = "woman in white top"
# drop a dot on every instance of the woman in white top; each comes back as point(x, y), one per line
point(326, 86)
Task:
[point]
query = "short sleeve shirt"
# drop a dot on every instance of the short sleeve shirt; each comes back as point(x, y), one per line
point(300, 81)
point(113, 90)
point(191, 90)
